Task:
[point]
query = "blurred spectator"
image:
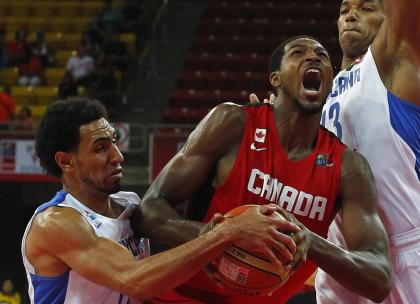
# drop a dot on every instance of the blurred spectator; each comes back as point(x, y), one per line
point(15, 50)
point(93, 37)
point(67, 87)
point(106, 82)
point(41, 49)
point(24, 120)
point(132, 12)
point(110, 16)
point(30, 70)
point(8, 294)
point(81, 66)
point(7, 105)
point(3, 58)
point(116, 51)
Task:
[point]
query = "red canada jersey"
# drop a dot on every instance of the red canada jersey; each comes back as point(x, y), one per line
point(261, 174)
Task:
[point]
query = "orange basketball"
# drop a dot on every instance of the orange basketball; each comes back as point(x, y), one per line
point(246, 272)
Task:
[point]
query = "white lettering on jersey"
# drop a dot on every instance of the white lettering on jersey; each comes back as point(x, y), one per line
point(343, 83)
point(287, 197)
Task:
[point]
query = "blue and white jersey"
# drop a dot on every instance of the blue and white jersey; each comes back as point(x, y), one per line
point(70, 287)
point(386, 130)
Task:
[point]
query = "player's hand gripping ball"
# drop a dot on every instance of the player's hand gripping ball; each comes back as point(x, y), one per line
point(246, 272)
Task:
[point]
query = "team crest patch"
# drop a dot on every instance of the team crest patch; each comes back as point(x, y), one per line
point(259, 135)
point(321, 160)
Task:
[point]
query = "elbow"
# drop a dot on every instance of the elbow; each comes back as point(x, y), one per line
point(138, 292)
point(383, 286)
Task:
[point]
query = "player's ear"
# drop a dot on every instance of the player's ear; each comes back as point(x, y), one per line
point(63, 160)
point(275, 79)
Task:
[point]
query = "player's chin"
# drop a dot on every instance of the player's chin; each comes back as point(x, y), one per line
point(113, 187)
point(311, 107)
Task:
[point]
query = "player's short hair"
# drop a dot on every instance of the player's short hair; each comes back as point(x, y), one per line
point(276, 57)
point(59, 129)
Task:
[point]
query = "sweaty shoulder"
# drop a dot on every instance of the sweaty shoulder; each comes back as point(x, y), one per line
point(219, 129)
point(55, 221)
point(55, 231)
point(225, 115)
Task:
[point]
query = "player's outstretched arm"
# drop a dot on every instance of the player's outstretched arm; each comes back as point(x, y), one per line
point(108, 263)
point(396, 49)
point(185, 173)
point(365, 268)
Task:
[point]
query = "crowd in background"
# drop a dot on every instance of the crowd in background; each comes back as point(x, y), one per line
point(98, 68)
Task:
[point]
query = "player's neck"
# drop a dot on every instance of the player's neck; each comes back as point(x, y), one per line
point(298, 131)
point(349, 60)
point(96, 201)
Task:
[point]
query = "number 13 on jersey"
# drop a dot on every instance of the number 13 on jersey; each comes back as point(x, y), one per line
point(334, 116)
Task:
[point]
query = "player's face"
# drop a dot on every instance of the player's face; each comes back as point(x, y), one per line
point(358, 24)
point(98, 159)
point(306, 74)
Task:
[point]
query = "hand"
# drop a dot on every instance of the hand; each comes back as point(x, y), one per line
point(254, 99)
point(216, 219)
point(258, 230)
point(302, 239)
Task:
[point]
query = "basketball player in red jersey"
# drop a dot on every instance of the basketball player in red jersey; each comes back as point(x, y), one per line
point(260, 154)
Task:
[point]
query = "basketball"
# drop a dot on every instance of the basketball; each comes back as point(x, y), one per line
point(246, 272)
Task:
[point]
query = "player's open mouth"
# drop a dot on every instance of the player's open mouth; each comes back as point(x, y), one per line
point(312, 79)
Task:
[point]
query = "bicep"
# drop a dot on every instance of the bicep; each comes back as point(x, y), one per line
point(196, 162)
point(361, 226)
point(97, 259)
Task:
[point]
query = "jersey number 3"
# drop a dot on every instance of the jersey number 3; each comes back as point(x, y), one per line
point(333, 114)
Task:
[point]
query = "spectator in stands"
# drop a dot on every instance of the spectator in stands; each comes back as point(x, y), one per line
point(81, 66)
point(2, 49)
point(15, 50)
point(41, 49)
point(132, 12)
point(116, 51)
point(67, 87)
point(106, 82)
point(8, 294)
point(24, 120)
point(30, 69)
point(93, 37)
point(109, 16)
point(7, 105)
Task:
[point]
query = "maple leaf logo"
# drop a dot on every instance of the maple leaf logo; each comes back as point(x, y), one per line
point(260, 135)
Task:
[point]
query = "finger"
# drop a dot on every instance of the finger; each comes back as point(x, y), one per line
point(253, 98)
point(298, 259)
point(300, 255)
point(268, 209)
point(272, 98)
point(284, 241)
point(284, 225)
point(217, 217)
point(269, 254)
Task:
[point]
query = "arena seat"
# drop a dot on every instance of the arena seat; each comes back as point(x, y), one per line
point(53, 76)
point(177, 115)
point(45, 95)
point(23, 95)
point(9, 76)
point(36, 110)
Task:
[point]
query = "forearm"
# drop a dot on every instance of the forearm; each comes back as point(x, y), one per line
point(162, 272)
point(364, 272)
point(402, 17)
point(160, 222)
